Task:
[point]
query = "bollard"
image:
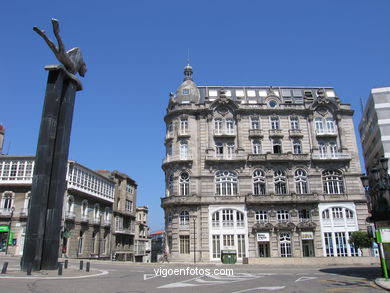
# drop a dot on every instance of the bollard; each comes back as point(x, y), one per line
point(66, 264)
point(60, 268)
point(81, 265)
point(4, 270)
point(87, 266)
point(29, 269)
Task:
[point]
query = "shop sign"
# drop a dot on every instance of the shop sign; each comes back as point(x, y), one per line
point(307, 236)
point(385, 235)
point(262, 237)
point(4, 228)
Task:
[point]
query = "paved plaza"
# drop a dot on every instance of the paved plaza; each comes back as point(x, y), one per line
point(124, 277)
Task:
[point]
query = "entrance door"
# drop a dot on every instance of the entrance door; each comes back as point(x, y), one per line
point(264, 249)
point(308, 248)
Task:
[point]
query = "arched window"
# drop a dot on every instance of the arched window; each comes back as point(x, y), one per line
point(297, 146)
point(226, 183)
point(7, 201)
point(280, 182)
point(84, 208)
point(285, 244)
point(184, 182)
point(348, 214)
point(300, 181)
point(170, 185)
point(261, 216)
point(218, 126)
point(330, 125)
point(184, 218)
point(96, 211)
point(325, 214)
point(332, 182)
point(183, 150)
point(107, 216)
point(70, 204)
point(256, 146)
point(258, 182)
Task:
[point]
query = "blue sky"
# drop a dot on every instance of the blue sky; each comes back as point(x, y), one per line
point(136, 51)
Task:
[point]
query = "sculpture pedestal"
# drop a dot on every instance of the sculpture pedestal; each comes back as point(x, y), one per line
point(42, 241)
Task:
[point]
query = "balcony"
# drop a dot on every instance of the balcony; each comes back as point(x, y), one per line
point(278, 157)
point(84, 219)
point(224, 132)
point(295, 133)
point(23, 213)
point(177, 159)
point(125, 231)
point(4, 212)
point(107, 223)
point(326, 132)
point(255, 133)
point(70, 216)
point(225, 157)
point(96, 221)
point(275, 133)
point(169, 136)
point(183, 133)
point(331, 156)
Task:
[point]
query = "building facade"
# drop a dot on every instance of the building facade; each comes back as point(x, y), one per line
point(142, 249)
point(374, 129)
point(264, 171)
point(94, 211)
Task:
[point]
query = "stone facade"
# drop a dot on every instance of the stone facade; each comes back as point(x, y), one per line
point(142, 249)
point(98, 213)
point(263, 171)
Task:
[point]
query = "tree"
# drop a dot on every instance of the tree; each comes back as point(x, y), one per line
point(360, 240)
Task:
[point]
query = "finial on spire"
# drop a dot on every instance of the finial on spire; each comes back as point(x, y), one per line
point(188, 72)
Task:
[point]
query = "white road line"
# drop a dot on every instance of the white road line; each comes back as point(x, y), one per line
point(149, 276)
point(261, 288)
point(56, 278)
point(301, 279)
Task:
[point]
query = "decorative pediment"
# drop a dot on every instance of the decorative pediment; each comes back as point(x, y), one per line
point(262, 227)
point(285, 226)
point(223, 104)
point(307, 225)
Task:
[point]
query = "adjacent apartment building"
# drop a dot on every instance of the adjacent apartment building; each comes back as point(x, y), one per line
point(264, 171)
point(374, 131)
point(98, 217)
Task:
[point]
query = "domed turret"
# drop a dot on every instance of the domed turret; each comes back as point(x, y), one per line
point(188, 91)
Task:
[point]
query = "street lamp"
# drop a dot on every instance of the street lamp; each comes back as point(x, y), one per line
point(9, 229)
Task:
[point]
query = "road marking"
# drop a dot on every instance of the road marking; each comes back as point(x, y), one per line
point(149, 276)
point(203, 281)
point(261, 288)
point(301, 279)
point(56, 278)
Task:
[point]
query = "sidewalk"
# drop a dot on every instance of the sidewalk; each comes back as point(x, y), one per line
point(383, 283)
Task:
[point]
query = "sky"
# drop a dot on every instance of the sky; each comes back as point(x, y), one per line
point(135, 52)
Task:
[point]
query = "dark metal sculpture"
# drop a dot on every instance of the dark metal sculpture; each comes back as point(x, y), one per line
point(42, 240)
point(72, 59)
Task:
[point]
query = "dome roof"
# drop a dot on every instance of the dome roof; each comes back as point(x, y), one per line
point(188, 91)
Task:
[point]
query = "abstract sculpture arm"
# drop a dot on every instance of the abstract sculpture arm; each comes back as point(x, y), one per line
point(72, 59)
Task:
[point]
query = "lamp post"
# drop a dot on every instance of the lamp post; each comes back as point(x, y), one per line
point(9, 229)
point(378, 186)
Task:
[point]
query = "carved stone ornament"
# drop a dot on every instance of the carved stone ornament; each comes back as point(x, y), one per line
point(322, 111)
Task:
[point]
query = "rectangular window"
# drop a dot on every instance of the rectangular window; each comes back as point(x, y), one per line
point(229, 126)
point(294, 123)
point(228, 240)
point(241, 245)
point(129, 205)
point(216, 246)
point(341, 244)
point(218, 126)
point(227, 218)
point(183, 126)
point(184, 244)
point(255, 123)
point(328, 244)
point(274, 123)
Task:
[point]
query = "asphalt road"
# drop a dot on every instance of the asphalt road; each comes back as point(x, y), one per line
point(129, 277)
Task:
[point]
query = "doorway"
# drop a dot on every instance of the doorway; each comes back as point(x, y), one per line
point(308, 248)
point(264, 249)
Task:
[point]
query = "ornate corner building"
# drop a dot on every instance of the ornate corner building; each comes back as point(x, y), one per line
point(263, 171)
